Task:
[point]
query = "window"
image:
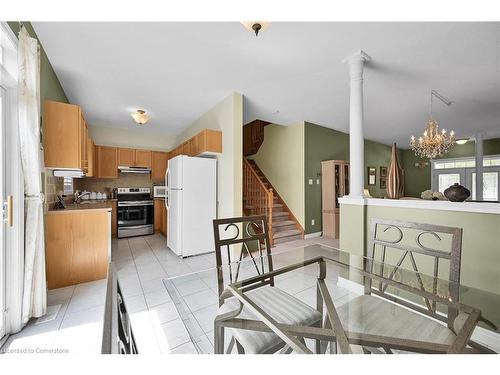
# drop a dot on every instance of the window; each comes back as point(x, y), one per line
point(446, 180)
point(488, 161)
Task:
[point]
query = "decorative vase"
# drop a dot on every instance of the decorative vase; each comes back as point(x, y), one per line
point(457, 193)
point(395, 177)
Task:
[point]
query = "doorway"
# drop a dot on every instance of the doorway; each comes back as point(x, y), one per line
point(3, 99)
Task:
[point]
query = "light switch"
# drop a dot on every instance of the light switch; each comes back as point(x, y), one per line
point(317, 181)
point(312, 222)
point(310, 181)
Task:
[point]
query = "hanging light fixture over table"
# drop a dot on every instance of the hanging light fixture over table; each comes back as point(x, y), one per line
point(434, 142)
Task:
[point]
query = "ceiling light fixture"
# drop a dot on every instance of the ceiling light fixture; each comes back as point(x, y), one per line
point(255, 26)
point(462, 141)
point(433, 143)
point(140, 116)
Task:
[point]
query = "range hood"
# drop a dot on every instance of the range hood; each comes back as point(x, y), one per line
point(139, 170)
point(75, 173)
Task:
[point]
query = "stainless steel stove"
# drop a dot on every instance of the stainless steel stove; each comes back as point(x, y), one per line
point(135, 212)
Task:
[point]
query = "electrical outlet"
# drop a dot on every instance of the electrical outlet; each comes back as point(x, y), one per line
point(310, 181)
point(317, 181)
point(312, 222)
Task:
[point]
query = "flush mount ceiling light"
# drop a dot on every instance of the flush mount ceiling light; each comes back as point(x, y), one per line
point(140, 116)
point(462, 141)
point(255, 26)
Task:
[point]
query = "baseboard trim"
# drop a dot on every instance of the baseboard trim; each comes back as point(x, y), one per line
point(312, 235)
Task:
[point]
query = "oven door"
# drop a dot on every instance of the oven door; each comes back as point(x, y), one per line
point(135, 213)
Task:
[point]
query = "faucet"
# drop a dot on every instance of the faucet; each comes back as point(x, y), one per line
point(78, 197)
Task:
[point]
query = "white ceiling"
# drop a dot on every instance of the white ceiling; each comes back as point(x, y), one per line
point(177, 71)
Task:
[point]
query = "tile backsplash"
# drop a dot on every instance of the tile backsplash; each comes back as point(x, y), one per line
point(106, 185)
point(52, 186)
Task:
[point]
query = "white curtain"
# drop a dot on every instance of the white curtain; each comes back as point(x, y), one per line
point(34, 292)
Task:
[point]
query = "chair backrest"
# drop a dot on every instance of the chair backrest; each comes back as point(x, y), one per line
point(425, 243)
point(251, 232)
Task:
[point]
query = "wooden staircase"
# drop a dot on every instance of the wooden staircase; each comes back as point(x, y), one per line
point(260, 198)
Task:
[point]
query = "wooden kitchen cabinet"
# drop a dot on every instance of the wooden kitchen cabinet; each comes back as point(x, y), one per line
point(107, 161)
point(159, 166)
point(129, 157)
point(91, 169)
point(142, 158)
point(77, 246)
point(209, 141)
point(160, 224)
point(126, 157)
point(64, 136)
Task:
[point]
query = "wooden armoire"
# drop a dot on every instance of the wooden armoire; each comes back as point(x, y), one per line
point(334, 184)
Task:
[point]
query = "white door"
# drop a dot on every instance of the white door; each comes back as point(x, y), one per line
point(174, 228)
point(2, 199)
point(491, 176)
point(443, 179)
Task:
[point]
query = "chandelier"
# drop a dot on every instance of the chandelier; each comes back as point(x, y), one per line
point(433, 143)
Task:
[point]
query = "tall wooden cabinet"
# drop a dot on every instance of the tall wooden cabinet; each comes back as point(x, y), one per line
point(159, 166)
point(334, 184)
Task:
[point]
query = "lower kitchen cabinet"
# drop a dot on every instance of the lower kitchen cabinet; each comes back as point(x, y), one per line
point(78, 246)
point(160, 217)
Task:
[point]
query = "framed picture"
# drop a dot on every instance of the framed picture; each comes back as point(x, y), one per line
point(383, 172)
point(383, 183)
point(372, 175)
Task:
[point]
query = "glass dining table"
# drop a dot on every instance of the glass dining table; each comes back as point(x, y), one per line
point(359, 305)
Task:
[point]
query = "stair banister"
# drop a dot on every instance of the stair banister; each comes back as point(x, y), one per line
point(259, 197)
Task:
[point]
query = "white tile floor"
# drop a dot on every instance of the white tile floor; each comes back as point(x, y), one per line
point(142, 263)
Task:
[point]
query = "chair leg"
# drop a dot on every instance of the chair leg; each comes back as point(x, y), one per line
point(230, 346)
point(239, 347)
point(318, 342)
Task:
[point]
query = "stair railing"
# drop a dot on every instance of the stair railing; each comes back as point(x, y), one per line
point(258, 196)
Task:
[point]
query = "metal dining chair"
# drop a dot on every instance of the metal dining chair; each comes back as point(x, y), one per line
point(249, 237)
point(381, 310)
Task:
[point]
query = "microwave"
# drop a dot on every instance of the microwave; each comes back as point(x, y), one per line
point(159, 191)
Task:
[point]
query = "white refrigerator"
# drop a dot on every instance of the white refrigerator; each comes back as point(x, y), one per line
point(191, 203)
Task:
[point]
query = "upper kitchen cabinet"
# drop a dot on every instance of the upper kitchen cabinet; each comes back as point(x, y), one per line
point(209, 141)
point(129, 157)
point(64, 136)
point(159, 166)
point(107, 162)
point(91, 159)
point(126, 157)
point(142, 158)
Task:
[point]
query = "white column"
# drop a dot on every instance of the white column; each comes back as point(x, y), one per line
point(479, 167)
point(356, 64)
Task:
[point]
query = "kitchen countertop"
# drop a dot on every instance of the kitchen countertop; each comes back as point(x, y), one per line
point(86, 205)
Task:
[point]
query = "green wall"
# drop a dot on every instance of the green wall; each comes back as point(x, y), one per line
point(327, 144)
point(50, 87)
point(417, 180)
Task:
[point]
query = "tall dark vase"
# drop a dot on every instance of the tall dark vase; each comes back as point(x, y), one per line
point(395, 177)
